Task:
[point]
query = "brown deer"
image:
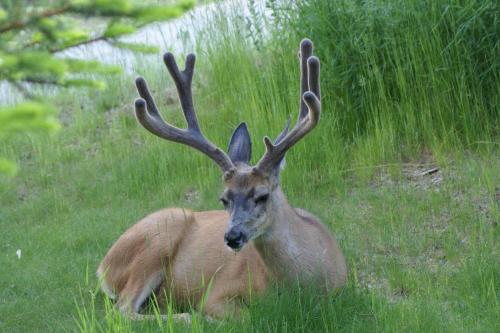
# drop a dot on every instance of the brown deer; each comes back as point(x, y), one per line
point(185, 253)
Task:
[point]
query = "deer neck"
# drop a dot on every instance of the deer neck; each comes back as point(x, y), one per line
point(283, 245)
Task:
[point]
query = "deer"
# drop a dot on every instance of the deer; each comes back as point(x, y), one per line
point(216, 260)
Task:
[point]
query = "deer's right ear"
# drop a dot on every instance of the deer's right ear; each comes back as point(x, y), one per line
point(240, 145)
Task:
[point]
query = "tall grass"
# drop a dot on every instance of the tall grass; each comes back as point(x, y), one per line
point(401, 81)
point(398, 77)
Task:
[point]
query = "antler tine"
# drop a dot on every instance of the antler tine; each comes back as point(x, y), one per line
point(149, 117)
point(183, 84)
point(306, 49)
point(310, 109)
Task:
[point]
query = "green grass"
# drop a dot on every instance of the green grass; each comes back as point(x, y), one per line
point(422, 250)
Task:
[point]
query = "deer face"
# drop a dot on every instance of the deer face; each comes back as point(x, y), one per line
point(248, 192)
point(247, 196)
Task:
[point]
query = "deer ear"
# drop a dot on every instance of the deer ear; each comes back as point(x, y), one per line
point(240, 145)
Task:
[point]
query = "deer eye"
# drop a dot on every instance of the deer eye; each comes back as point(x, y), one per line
point(224, 202)
point(262, 198)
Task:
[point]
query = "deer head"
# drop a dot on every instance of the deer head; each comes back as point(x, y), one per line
point(251, 192)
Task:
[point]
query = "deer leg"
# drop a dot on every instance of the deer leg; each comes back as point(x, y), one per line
point(222, 308)
point(222, 301)
point(176, 317)
point(137, 291)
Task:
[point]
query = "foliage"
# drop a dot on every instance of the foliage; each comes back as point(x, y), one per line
point(32, 34)
point(422, 250)
point(403, 75)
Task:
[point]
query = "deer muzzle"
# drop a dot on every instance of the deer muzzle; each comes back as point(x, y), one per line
point(235, 238)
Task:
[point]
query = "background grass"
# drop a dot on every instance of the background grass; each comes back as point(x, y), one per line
point(406, 86)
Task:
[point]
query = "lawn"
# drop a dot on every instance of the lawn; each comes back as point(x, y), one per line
point(402, 168)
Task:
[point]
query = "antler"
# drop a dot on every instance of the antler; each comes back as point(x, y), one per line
point(309, 112)
point(154, 123)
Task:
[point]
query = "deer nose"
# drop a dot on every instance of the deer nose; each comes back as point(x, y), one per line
point(234, 239)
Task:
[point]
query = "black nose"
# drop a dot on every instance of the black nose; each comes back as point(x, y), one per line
point(234, 239)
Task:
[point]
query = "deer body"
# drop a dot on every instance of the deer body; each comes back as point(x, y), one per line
point(185, 251)
point(233, 254)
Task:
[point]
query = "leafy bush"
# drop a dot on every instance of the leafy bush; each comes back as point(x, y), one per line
point(31, 36)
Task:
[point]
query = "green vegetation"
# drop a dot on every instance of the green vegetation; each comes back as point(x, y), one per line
point(407, 86)
point(31, 35)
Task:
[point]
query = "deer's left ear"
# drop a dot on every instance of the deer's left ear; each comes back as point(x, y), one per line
point(240, 145)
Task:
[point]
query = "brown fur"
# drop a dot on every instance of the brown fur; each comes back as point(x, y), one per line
point(189, 249)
